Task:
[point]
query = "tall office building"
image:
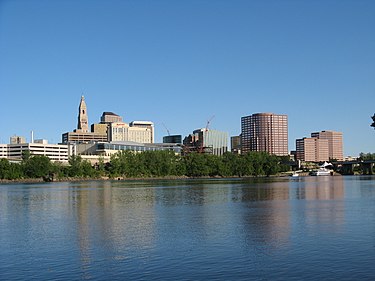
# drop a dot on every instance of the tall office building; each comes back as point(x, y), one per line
point(83, 122)
point(137, 131)
point(265, 132)
point(312, 150)
point(142, 131)
point(110, 117)
point(335, 143)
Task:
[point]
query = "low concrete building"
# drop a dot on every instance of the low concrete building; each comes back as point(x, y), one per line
point(81, 137)
point(3, 151)
point(95, 151)
point(55, 152)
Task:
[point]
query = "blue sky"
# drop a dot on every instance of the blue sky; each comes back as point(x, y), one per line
point(179, 63)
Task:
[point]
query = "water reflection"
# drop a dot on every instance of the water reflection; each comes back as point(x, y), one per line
point(319, 188)
point(320, 210)
point(266, 218)
point(144, 226)
point(118, 219)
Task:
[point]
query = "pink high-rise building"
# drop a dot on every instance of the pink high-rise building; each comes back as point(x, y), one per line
point(265, 132)
point(335, 143)
point(312, 150)
point(322, 146)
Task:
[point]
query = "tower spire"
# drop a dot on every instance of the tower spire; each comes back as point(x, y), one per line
point(82, 117)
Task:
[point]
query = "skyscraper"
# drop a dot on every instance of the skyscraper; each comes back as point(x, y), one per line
point(322, 146)
point(265, 132)
point(83, 122)
point(335, 143)
point(312, 150)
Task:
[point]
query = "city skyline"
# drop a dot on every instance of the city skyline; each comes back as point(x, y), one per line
point(178, 64)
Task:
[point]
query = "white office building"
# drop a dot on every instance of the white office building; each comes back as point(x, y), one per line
point(55, 152)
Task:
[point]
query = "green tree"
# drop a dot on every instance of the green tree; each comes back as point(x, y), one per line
point(75, 166)
point(126, 163)
point(270, 164)
point(373, 121)
point(235, 165)
point(88, 170)
point(15, 171)
point(196, 165)
point(215, 165)
point(180, 166)
point(366, 156)
point(4, 168)
point(37, 166)
point(101, 167)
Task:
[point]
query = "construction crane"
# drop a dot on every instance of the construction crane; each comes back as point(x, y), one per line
point(201, 148)
point(208, 122)
point(166, 129)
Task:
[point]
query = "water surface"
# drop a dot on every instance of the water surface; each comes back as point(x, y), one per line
point(261, 229)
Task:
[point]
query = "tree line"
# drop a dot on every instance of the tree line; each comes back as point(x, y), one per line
point(146, 165)
point(366, 156)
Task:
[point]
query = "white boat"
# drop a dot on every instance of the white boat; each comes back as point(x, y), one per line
point(322, 171)
point(294, 175)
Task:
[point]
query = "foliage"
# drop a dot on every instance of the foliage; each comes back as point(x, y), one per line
point(373, 121)
point(80, 168)
point(366, 156)
point(36, 166)
point(10, 171)
point(149, 164)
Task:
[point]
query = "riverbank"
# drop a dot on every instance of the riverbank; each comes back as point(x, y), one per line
point(78, 179)
point(105, 178)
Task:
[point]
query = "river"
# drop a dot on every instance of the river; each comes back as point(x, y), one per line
point(304, 228)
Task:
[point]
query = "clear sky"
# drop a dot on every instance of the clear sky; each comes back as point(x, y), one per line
point(179, 63)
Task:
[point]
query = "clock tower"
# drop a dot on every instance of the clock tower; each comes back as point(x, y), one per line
point(83, 122)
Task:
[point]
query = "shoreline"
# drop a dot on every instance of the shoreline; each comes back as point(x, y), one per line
point(41, 180)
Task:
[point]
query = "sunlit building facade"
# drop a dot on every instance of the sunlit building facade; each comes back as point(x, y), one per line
point(312, 150)
point(55, 152)
point(321, 146)
point(265, 132)
point(136, 131)
point(335, 143)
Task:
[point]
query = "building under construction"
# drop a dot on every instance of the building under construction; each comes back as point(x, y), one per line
point(206, 141)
